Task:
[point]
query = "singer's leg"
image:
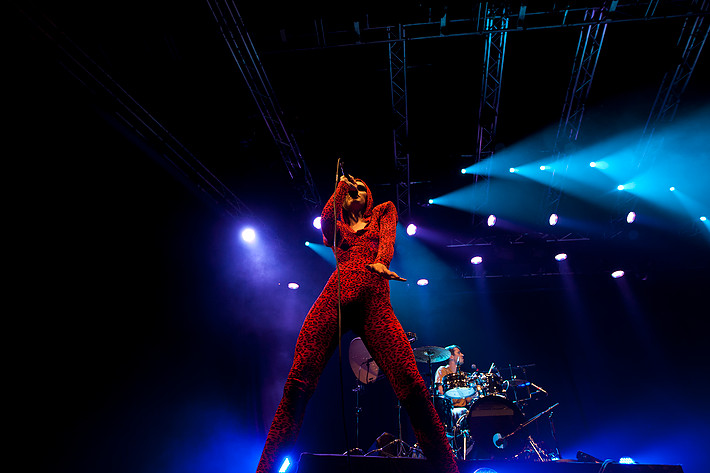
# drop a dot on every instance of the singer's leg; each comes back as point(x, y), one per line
point(388, 344)
point(316, 343)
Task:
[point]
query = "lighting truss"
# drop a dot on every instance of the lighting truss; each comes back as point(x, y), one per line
point(495, 22)
point(242, 48)
point(133, 117)
point(692, 38)
point(400, 117)
point(526, 16)
point(591, 38)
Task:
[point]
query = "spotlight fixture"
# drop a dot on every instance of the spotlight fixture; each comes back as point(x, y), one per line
point(593, 164)
point(316, 223)
point(491, 220)
point(620, 187)
point(422, 282)
point(626, 461)
point(431, 201)
point(544, 168)
point(617, 274)
point(476, 260)
point(248, 235)
point(293, 285)
point(512, 170)
point(554, 218)
point(284, 466)
point(672, 189)
point(561, 256)
point(463, 171)
point(631, 217)
point(307, 243)
point(703, 218)
point(411, 229)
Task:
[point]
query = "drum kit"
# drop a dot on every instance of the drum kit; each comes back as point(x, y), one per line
point(484, 414)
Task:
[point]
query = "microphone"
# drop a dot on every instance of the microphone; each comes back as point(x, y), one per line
point(490, 370)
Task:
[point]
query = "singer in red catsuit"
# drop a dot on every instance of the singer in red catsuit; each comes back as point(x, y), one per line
point(364, 249)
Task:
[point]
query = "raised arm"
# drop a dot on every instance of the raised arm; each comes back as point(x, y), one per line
point(330, 216)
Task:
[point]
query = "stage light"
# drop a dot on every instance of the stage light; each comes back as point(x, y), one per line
point(553, 219)
point(513, 170)
point(672, 189)
point(248, 235)
point(561, 256)
point(284, 466)
point(463, 171)
point(544, 168)
point(491, 220)
point(630, 217)
point(316, 222)
point(620, 187)
point(593, 164)
point(617, 274)
point(411, 229)
point(431, 201)
point(476, 260)
point(626, 461)
point(293, 285)
point(422, 282)
point(703, 218)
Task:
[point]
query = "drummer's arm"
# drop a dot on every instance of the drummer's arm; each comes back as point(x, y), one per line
point(437, 382)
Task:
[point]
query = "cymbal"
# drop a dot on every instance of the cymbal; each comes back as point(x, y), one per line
point(431, 354)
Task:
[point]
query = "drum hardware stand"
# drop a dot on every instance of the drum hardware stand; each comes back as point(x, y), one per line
point(358, 410)
point(499, 440)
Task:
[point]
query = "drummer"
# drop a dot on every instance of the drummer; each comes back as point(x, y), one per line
point(455, 362)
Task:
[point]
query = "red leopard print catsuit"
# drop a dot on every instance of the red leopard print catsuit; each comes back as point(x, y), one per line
point(366, 310)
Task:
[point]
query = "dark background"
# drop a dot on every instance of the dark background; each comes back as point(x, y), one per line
point(152, 339)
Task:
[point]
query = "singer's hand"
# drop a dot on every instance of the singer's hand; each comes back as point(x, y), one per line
point(350, 181)
point(381, 269)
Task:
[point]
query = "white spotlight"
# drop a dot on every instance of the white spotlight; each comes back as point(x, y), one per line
point(476, 260)
point(463, 171)
point(491, 220)
point(672, 188)
point(431, 201)
point(308, 243)
point(316, 222)
point(617, 274)
point(631, 217)
point(293, 285)
point(513, 170)
point(553, 219)
point(703, 218)
point(593, 164)
point(411, 229)
point(620, 187)
point(422, 282)
point(544, 168)
point(561, 256)
point(248, 235)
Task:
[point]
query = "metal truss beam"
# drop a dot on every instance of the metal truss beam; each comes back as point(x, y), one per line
point(495, 23)
point(523, 16)
point(692, 38)
point(400, 120)
point(589, 46)
point(127, 113)
point(242, 48)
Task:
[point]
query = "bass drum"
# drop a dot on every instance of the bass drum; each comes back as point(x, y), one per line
point(489, 418)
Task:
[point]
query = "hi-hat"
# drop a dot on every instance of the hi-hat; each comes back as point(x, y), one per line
point(431, 354)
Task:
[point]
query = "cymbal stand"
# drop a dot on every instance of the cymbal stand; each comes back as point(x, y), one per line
point(358, 410)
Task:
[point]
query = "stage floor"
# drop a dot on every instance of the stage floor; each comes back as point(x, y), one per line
point(320, 463)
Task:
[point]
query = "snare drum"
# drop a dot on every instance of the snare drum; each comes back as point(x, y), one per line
point(489, 384)
point(458, 385)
